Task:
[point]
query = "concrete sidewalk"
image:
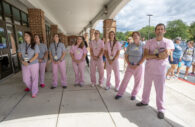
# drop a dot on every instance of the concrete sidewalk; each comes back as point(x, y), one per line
point(91, 106)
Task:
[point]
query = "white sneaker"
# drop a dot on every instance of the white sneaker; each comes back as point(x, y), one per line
point(168, 77)
point(92, 85)
point(107, 88)
point(176, 75)
point(101, 85)
point(185, 78)
point(116, 89)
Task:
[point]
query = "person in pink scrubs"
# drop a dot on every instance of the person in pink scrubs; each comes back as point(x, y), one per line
point(78, 53)
point(96, 51)
point(43, 55)
point(134, 56)
point(156, 52)
point(112, 50)
point(28, 53)
point(57, 54)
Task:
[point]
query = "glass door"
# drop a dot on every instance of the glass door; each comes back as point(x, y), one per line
point(12, 48)
point(5, 61)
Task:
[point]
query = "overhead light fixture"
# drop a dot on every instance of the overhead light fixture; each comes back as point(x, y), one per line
point(105, 9)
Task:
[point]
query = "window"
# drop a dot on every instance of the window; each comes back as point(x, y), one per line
point(6, 8)
point(0, 9)
point(16, 13)
point(3, 43)
point(20, 37)
point(24, 17)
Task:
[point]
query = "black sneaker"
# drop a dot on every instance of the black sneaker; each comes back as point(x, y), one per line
point(64, 87)
point(117, 97)
point(160, 115)
point(52, 87)
point(76, 85)
point(133, 98)
point(141, 104)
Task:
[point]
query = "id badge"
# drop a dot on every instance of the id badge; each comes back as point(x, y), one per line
point(111, 57)
point(55, 57)
point(156, 51)
point(26, 58)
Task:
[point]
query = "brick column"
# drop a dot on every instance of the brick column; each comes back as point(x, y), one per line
point(37, 23)
point(92, 36)
point(109, 25)
point(63, 39)
point(53, 30)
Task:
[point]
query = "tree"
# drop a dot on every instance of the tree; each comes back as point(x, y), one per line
point(192, 31)
point(120, 36)
point(177, 28)
point(144, 32)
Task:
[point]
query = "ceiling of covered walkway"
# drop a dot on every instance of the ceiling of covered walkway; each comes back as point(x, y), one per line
point(73, 16)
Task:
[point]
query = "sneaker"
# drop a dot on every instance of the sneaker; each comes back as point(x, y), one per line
point(27, 89)
point(176, 75)
point(76, 84)
point(160, 115)
point(117, 97)
point(116, 89)
point(42, 85)
point(185, 77)
point(101, 85)
point(133, 98)
point(92, 85)
point(168, 77)
point(81, 85)
point(192, 74)
point(107, 88)
point(52, 87)
point(64, 87)
point(34, 96)
point(141, 104)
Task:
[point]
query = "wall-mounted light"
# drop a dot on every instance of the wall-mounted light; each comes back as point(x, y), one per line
point(105, 9)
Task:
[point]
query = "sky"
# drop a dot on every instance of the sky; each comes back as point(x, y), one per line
point(133, 16)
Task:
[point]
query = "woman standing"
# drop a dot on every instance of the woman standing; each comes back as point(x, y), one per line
point(28, 54)
point(174, 58)
point(96, 51)
point(112, 51)
point(43, 55)
point(187, 58)
point(134, 57)
point(78, 53)
point(57, 54)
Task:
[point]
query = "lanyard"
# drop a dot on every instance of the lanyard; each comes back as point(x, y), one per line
point(56, 47)
point(26, 51)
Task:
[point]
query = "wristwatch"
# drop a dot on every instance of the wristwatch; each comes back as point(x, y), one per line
point(28, 61)
point(138, 64)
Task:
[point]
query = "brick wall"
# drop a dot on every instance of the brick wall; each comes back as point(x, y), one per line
point(37, 23)
point(109, 25)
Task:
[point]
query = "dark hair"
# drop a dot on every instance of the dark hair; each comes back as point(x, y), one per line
point(191, 42)
point(136, 32)
point(39, 37)
point(160, 24)
point(114, 37)
point(82, 43)
point(32, 43)
point(58, 36)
